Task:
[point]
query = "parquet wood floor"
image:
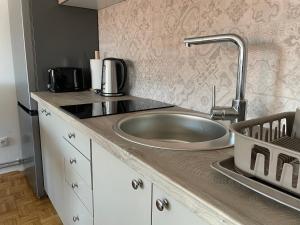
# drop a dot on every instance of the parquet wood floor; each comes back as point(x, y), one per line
point(19, 206)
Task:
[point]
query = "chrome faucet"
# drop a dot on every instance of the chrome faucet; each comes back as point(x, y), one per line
point(239, 105)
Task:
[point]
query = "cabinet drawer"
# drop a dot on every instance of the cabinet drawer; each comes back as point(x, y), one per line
point(80, 187)
point(75, 161)
point(75, 212)
point(78, 140)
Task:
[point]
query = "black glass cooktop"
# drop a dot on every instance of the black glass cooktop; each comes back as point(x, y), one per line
point(106, 108)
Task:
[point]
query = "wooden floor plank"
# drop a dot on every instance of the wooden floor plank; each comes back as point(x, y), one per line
point(19, 206)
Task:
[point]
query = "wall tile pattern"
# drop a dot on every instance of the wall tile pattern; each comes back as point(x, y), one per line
point(149, 34)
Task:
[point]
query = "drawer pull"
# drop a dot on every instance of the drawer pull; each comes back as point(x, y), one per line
point(75, 218)
point(162, 204)
point(71, 135)
point(136, 184)
point(74, 185)
point(73, 161)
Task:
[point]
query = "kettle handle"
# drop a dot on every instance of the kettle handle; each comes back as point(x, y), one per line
point(124, 74)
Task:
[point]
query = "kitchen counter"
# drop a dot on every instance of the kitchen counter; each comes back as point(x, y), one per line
point(186, 176)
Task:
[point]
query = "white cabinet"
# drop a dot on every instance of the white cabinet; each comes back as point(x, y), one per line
point(124, 197)
point(78, 175)
point(53, 158)
point(90, 4)
point(67, 172)
point(78, 195)
point(167, 211)
point(43, 121)
point(121, 196)
point(98, 188)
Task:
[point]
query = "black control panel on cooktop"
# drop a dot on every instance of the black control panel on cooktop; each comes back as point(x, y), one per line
point(106, 108)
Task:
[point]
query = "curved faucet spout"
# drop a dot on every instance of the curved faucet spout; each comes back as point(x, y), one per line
point(242, 59)
point(239, 103)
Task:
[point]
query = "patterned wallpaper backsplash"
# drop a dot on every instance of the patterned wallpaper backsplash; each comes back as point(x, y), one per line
point(149, 34)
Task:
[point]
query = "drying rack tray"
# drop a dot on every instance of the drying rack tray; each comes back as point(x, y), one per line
point(227, 168)
point(267, 148)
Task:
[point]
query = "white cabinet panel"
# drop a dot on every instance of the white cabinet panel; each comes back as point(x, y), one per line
point(116, 202)
point(75, 161)
point(79, 186)
point(53, 157)
point(80, 141)
point(64, 166)
point(167, 211)
point(43, 135)
point(75, 212)
point(90, 4)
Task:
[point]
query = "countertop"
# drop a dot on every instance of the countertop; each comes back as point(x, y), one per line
point(186, 176)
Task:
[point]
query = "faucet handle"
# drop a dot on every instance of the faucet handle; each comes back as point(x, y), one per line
point(213, 96)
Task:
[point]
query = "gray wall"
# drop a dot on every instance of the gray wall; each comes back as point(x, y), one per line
point(64, 36)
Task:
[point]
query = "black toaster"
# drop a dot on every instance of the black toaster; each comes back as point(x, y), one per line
point(65, 79)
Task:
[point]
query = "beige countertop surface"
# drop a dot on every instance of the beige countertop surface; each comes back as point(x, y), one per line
point(186, 176)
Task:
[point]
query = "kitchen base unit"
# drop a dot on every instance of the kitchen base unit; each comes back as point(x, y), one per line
point(122, 196)
point(67, 168)
point(95, 177)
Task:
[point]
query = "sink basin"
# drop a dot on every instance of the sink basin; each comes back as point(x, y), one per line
point(174, 131)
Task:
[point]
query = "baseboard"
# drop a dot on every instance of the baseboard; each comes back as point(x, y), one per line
point(11, 169)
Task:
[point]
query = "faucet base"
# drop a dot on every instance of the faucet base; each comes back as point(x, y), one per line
point(241, 107)
point(235, 113)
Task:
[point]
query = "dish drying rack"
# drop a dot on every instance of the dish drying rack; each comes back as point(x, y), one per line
point(267, 148)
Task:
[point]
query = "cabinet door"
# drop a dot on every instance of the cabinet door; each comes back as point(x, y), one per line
point(167, 211)
point(121, 196)
point(44, 145)
point(52, 156)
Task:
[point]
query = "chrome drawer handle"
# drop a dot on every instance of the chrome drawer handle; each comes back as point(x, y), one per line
point(136, 184)
point(72, 161)
point(74, 185)
point(75, 218)
point(71, 135)
point(162, 204)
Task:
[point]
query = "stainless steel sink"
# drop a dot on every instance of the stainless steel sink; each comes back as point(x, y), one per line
point(174, 131)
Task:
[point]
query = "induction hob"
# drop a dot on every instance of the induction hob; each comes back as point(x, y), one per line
point(105, 108)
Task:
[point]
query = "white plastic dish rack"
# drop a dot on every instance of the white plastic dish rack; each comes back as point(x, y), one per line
point(265, 148)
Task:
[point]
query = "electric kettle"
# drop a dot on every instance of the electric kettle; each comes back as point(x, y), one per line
point(114, 75)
